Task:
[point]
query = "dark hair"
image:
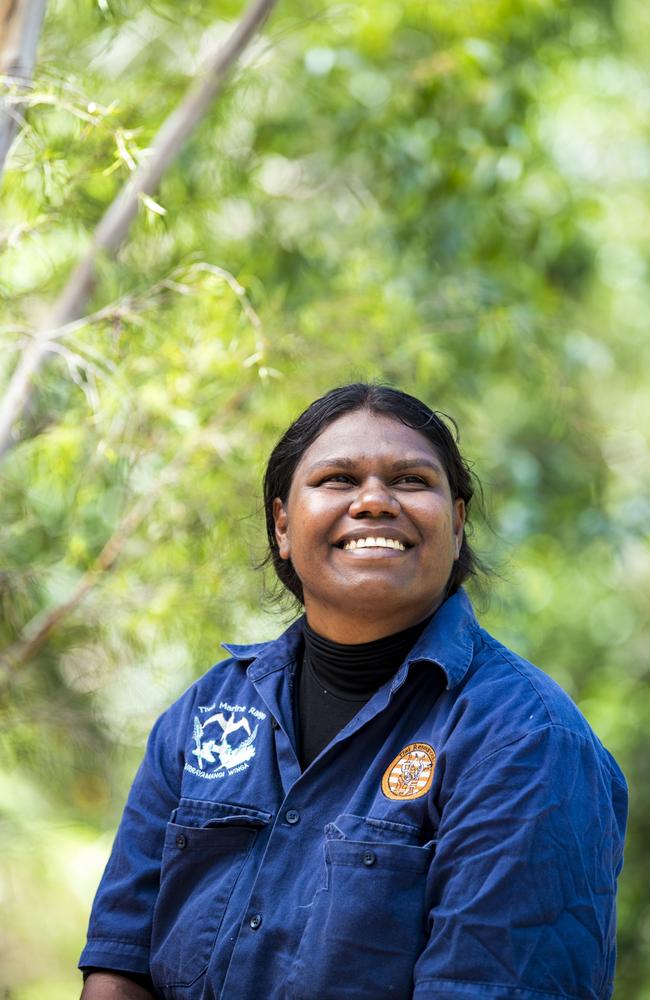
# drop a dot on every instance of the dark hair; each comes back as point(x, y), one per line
point(389, 402)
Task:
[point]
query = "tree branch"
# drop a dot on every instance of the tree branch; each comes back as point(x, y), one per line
point(115, 224)
point(20, 26)
point(176, 281)
point(28, 646)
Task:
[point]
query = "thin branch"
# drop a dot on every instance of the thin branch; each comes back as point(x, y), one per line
point(114, 226)
point(10, 238)
point(26, 648)
point(123, 307)
point(239, 290)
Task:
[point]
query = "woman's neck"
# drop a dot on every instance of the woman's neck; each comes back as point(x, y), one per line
point(354, 671)
point(358, 627)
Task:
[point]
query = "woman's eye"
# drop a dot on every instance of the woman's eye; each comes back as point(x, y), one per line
point(337, 478)
point(411, 481)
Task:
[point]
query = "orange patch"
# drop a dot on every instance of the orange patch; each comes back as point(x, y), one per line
point(410, 775)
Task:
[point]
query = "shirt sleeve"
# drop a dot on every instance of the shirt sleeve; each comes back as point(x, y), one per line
point(119, 931)
point(139, 978)
point(522, 887)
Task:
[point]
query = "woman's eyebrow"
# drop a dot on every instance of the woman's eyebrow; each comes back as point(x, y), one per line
point(417, 463)
point(327, 463)
point(398, 466)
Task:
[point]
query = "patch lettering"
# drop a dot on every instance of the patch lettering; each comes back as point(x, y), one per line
point(410, 774)
point(230, 742)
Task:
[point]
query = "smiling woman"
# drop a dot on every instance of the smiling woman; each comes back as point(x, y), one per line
point(370, 528)
point(384, 802)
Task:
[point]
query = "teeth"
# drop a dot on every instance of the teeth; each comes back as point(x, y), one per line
point(374, 543)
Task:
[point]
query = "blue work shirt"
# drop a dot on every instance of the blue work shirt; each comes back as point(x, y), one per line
point(460, 839)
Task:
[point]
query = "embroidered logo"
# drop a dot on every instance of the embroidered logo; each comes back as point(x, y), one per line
point(230, 742)
point(410, 774)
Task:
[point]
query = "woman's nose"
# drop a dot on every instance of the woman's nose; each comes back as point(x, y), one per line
point(374, 499)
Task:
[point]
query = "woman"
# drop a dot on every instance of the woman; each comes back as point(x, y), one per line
point(383, 802)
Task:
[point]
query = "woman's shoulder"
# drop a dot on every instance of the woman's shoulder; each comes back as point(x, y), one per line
point(489, 681)
point(507, 700)
point(499, 668)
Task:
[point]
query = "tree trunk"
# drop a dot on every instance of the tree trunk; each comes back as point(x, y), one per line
point(20, 25)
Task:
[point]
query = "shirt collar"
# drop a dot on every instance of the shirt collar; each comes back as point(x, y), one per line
point(448, 641)
point(270, 655)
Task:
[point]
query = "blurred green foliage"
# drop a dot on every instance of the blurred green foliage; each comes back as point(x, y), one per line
point(451, 197)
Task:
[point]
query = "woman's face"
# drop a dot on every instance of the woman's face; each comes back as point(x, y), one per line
point(370, 527)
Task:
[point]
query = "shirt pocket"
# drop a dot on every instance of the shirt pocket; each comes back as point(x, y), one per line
point(368, 924)
point(206, 847)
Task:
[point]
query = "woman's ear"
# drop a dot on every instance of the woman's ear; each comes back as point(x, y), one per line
point(281, 528)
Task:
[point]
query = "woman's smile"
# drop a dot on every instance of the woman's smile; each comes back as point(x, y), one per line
point(368, 542)
point(370, 527)
point(380, 540)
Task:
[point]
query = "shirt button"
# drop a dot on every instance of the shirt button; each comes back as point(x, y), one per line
point(292, 816)
point(369, 858)
point(181, 840)
point(274, 723)
point(255, 921)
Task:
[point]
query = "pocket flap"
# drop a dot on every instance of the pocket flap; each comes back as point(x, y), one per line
point(347, 826)
point(201, 813)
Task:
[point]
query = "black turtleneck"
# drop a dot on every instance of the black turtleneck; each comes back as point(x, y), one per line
point(336, 679)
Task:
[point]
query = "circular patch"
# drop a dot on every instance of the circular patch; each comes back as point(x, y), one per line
point(410, 775)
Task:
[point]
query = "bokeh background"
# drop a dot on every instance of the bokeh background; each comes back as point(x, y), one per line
point(451, 195)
